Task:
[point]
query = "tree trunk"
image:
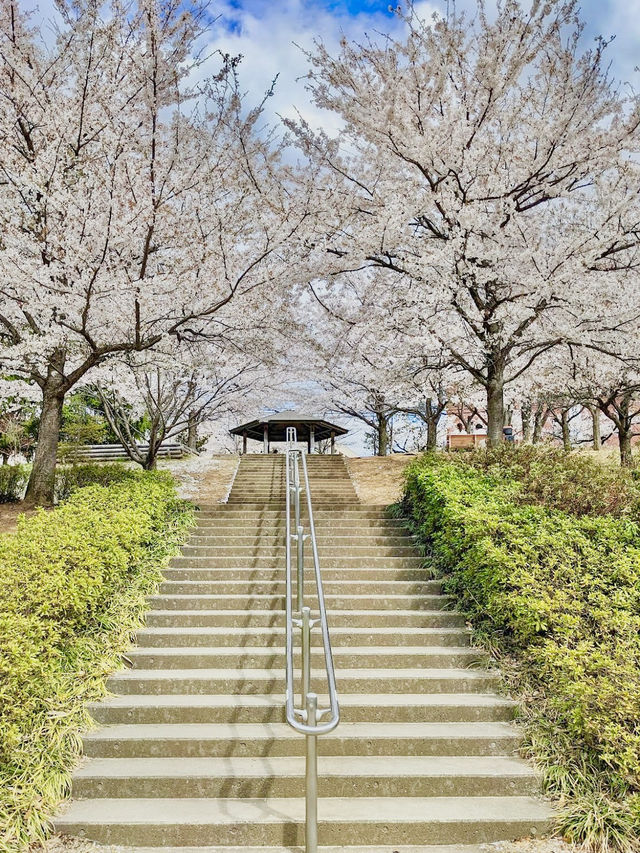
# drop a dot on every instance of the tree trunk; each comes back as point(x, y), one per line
point(156, 436)
point(383, 435)
point(566, 432)
point(192, 432)
point(431, 421)
point(41, 487)
point(624, 439)
point(432, 433)
point(595, 420)
point(539, 420)
point(525, 414)
point(495, 410)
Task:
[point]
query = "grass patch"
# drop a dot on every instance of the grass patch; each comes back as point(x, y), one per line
point(556, 595)
point(73, 589)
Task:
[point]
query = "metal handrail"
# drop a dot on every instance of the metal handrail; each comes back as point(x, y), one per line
point(305, 719)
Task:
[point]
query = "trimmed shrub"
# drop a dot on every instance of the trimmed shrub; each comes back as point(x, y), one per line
point(73, 584)
point(557, 596)
point(14, 478)
point(571, 482)
point(13, 482)
point(72, 477)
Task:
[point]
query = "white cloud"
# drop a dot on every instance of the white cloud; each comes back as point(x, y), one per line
point(272, 40)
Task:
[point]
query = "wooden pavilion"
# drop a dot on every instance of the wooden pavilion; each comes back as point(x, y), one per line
point(273, 428)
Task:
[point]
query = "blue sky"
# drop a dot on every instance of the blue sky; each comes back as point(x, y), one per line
point(264, 32)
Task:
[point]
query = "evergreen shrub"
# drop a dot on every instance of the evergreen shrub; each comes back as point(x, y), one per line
point(556, 595)
point(73, 584)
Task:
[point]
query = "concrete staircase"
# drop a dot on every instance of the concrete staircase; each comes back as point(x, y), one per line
point(193, 750)
point(263, 482)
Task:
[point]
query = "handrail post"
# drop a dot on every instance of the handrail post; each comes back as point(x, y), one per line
point(296, 486)
point(311, 779)
point(300, 557)
point(306, 654)
point(299, 530)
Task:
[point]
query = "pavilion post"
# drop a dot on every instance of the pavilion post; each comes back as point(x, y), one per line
point(312, 438)
point(244, 443)
point(265, 443)
point(333, 442)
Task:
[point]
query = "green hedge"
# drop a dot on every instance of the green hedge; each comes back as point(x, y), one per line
point(72, 477)
point(73, 583)
point(14, 478)
point(571, 482)
point(13, 482)
point(557, 596)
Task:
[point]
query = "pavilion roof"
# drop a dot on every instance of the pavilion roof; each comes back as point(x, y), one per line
point(277, 425)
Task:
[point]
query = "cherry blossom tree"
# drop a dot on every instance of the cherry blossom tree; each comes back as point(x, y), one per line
point(172, 391)
point(487, 161)
point(129, 212)
point(611, 386)
point(430, 409)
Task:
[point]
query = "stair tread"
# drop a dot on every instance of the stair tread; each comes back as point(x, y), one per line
point(374, 614)
point(269, 651)
point(259, 596)
point(328, 765)
point(248, 731)
point(260, 700)
point(263, 810)
point(277, 630)
point(372, 672)
point(397, 848)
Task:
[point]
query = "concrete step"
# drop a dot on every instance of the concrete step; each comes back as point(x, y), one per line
point(276, 617)
point(192, 561)
point(329, 487)
point(397, 848)
point(279, 739)
point(251, 511)
point(320, 484)
point(267, 637)
point(256, 586)
point(361, 820)
point(319, 501)
point(275, 602)
point(265, 513)
point(324, 482)
point(320, 493)
point(268, 528)
point(354, 707)
point(278, 539)
point(276, 573)
point(336, 484)
point(246, 657)
point(254, 681)
point(278, 550)
point(334, 603)
point(338, 776)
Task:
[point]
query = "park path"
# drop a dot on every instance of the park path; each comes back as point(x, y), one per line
point(193, 750)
